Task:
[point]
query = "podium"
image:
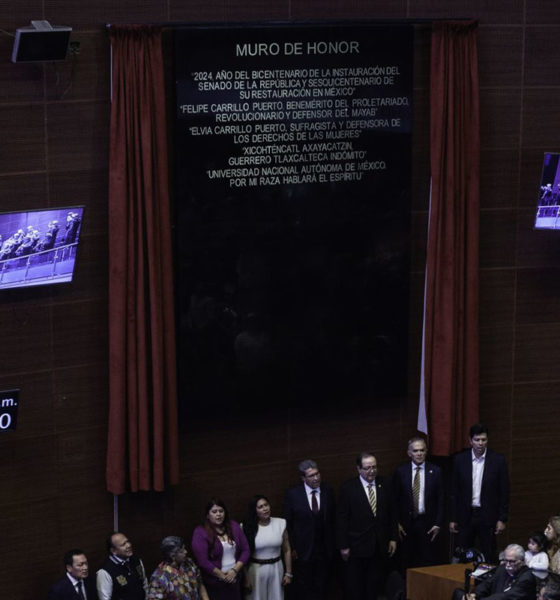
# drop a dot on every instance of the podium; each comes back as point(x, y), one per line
point(435, 583)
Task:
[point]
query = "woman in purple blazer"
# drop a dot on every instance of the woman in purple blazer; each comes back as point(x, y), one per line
point(220, 549)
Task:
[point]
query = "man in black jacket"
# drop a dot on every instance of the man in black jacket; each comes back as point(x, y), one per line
point(479, 494)
point(366, 529)
point(122, 575)
point(309, 512)
point(76, 584)
point(511, 581)
point(418, 496)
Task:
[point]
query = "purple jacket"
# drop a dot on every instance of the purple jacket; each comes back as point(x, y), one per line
point(210, 558)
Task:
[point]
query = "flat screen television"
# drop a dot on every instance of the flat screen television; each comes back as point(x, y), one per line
point(548, 206)
point(39, 247)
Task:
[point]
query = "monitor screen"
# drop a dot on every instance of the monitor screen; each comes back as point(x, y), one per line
point(548, 208)
point(38, 247)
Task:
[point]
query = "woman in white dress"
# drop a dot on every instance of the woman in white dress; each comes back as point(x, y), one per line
point(270, 565)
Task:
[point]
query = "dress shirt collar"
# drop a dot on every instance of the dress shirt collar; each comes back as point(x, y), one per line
point(474, 458)
point(72, 579)
point(414, 465)
point(119, 561)
point(308, 489)
point(365, 483)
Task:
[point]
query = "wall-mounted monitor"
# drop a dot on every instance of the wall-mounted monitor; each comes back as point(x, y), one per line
point(41, 42)
point(548, 206)
point(39, 247)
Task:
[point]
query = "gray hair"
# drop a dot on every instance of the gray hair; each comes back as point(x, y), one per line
point(416, 438)
point(519, 551)
point(306, 464)
point(170, 545)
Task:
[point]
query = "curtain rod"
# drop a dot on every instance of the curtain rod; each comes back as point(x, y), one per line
point(222, 25)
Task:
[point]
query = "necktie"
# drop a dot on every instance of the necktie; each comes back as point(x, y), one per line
point(80, 588)
point(372, 499)
point(416, 491)
point(314, 503)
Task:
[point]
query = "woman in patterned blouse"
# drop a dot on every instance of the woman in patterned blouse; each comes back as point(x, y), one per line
point(176, 577)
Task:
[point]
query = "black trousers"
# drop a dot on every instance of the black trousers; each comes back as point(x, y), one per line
point(416, 548)
point(311, 578)
point(365, 577)
point(477, 533)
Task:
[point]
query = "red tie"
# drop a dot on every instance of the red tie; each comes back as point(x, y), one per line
point(314, 503)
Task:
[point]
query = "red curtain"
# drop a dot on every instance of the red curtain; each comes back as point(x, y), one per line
point(451, 371)
point(142, 449)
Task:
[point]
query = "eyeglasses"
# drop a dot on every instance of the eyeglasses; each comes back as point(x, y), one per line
point(511, 561)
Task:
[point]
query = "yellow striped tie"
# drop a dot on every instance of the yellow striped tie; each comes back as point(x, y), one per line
point(416, 490)
point(372, 499)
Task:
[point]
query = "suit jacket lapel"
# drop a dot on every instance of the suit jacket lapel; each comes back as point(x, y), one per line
point(303, 497)
point(409, 483)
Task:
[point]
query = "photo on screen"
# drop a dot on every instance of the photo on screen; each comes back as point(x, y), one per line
point(548, 208)
point(39, 247)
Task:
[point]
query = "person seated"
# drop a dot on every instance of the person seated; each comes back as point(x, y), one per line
point(512, 580)
point(535, 555)
point(552, 533)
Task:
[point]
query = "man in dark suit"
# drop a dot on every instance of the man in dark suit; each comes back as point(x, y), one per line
point(510, 581)
point(479, 494)
point(366, 529)
point(76, 584)
point(310, 512)
point(418, 495)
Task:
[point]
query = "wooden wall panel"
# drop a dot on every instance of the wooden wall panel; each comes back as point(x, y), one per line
point(55, 340)
point(500, 52)
point(497, 287)
point(499, 179)
point(348, 9)
point(23, 136)
point(504, 12)
point(498, 230)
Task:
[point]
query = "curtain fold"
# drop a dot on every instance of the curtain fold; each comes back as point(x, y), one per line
point(450, 352)
point(142, 448)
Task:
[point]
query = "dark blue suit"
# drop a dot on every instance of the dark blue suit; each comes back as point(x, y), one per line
point(64, 590)
point(417, 549)
point(312, 537)
point(478, 525)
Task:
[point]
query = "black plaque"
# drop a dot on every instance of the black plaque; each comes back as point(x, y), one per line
point(292, 213)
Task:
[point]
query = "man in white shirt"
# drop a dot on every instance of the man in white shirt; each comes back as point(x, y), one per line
point(122, 576)
point(479, 494)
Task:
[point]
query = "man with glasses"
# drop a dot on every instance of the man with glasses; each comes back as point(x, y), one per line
point(512, 580)
point(309, 512)
point(366, 529)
